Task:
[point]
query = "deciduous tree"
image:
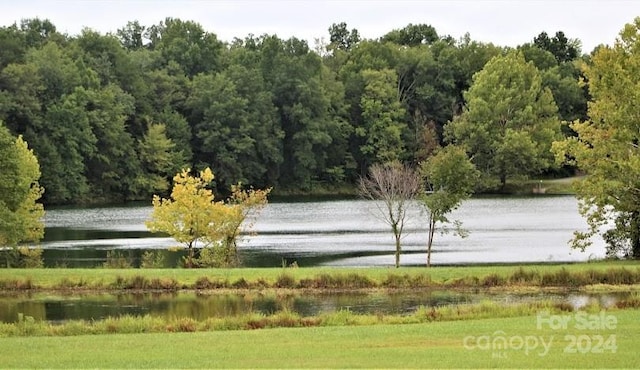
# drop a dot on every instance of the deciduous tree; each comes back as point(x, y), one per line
point(448, 178)
point(607, 147)
point(191, 215)
point(195, 219)
point(20, 213)
point(510, 121)
point(393, 186)
point(383, 117)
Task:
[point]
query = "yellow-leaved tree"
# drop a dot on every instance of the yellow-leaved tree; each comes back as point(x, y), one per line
point(195, 219)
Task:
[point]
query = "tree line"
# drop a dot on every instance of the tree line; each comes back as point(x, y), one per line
point(112, 117)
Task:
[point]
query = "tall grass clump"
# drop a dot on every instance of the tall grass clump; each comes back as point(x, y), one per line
point(563, 277)
point(16, 284)
point(621, 276)
point(203, 283)
point(136, 282)
point(632, 302)
point(285, 280)
point(524, 277)
point(338, 281)
point(339, 318)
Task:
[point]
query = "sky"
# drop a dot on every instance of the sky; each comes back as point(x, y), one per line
point(502, 22)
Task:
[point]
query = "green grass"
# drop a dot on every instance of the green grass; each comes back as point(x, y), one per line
point(428, 345)
point(604, 272)
point(562, 186)
point(28, 326)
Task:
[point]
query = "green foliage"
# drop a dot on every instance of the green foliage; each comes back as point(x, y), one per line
point(22, 257)
point(158, 157)
point(606, 147)
point(562, 48)
point(341, 38)
point(263, 111)
point(152, 260)
point(382, 116)
point(510, 121)
point(449, 177)
point(20, 214)
point(117, 260)
point(217, 256)
point(412, 35)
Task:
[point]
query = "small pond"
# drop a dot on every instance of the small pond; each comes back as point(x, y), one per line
point(58, 308)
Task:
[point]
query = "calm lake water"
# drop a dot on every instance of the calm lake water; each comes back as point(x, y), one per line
point(53, 308)
point(340, 233)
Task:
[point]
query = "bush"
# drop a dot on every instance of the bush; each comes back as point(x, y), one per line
point(217, 256)
point(117, 260)
point(152, 260)
point(31, 257)
point(22, 257)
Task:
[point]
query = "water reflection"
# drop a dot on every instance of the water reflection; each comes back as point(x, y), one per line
point(58, 308)
point(345, 233)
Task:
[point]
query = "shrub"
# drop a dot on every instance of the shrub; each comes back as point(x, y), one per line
point(31, 257)
point(220, 256)
point(152, 260)
point(22, 257)
point(117, 260)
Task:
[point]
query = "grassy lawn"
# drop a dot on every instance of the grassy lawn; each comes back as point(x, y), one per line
point(439, 344)
point(100, 278)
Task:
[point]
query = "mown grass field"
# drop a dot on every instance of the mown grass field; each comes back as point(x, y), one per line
point(105, 278)
point(438, 344)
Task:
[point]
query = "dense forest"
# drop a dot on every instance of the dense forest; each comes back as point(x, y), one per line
point(113, 117)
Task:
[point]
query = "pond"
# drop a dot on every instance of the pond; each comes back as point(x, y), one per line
point(339, 233)
point(200, 306)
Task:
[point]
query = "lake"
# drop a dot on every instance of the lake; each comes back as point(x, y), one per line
point(339, 233)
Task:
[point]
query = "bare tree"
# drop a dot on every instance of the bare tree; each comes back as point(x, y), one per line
point(394, 185)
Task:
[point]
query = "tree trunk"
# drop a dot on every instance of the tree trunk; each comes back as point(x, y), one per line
point(635, 235)
point(398, 249)
point(190, 256)
point(432, 229)
point(397, 234)
point(503, 180)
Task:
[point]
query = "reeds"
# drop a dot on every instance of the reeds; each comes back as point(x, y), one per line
point(27, 326)
point(520, 277)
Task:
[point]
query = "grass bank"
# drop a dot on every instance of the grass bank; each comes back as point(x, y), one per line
point(543, 275)
point(28, 326)
point(562, 186)
point(514, 342)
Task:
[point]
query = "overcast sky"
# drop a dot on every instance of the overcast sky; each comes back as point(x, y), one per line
point(505, 23)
